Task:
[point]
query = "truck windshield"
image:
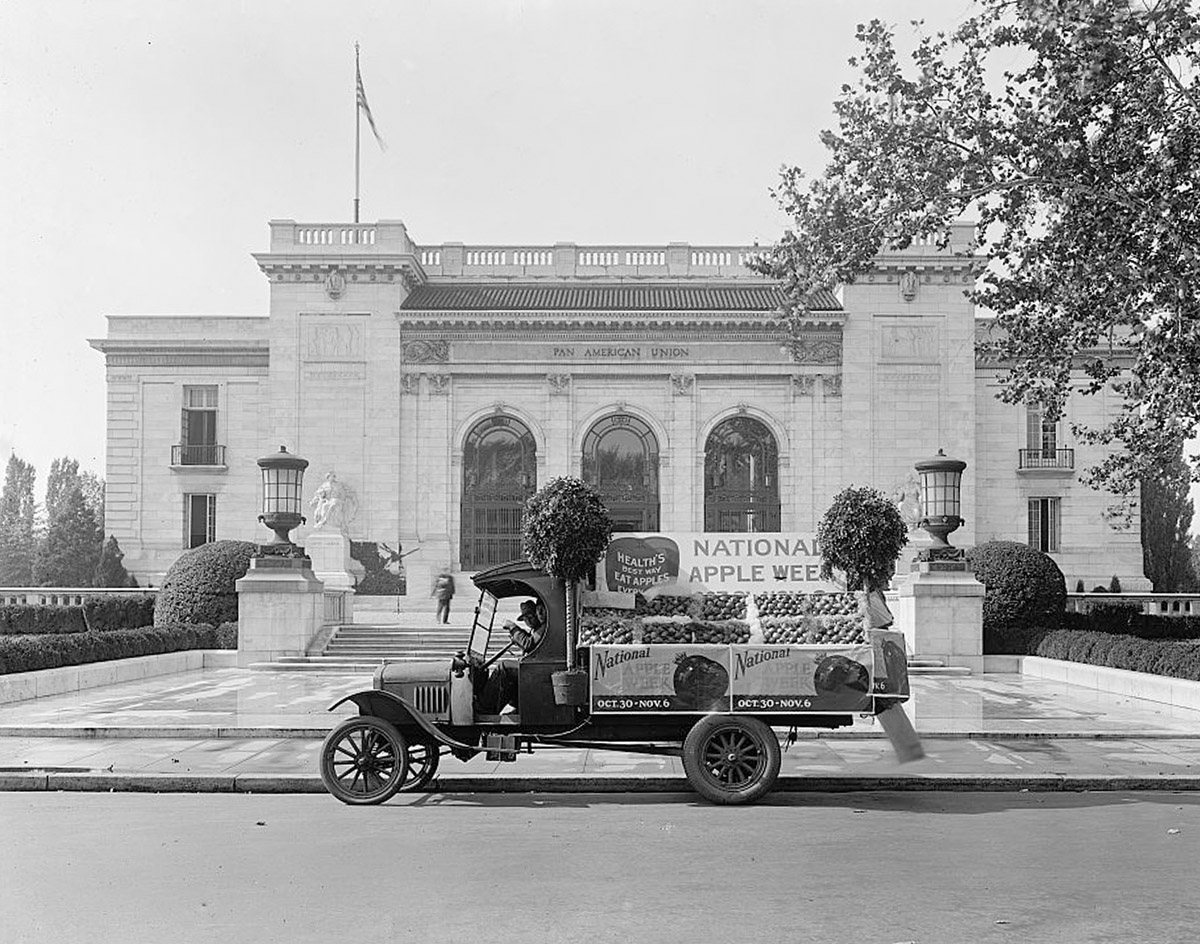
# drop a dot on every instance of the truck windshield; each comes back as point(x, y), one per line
point(481, 629)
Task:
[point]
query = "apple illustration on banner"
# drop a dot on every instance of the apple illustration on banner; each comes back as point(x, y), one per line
point(633, 564)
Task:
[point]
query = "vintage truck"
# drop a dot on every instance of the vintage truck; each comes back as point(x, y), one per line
point(715, 705)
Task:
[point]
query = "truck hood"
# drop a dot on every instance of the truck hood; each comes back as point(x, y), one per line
point(395, 673)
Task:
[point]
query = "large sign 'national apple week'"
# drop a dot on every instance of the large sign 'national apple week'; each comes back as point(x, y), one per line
point(716, 560)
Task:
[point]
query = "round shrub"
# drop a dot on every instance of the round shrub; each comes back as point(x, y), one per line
point(200, 586)
point(1024, 589)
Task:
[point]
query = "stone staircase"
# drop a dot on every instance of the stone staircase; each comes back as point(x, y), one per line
point(934, 667)
point(363, 647)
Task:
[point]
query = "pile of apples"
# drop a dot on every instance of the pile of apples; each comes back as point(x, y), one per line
point(668, 632)
point(606, 630)
point(720, 632)
point(794, 603)
point(664, 605)
point(813, 630)
point(723, 606)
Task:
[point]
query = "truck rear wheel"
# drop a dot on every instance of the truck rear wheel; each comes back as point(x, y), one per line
point(364, 760)
point(422, 764)
point(731, 759)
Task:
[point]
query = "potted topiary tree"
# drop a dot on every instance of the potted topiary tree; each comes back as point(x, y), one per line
point(565, 531)
point(861, 535)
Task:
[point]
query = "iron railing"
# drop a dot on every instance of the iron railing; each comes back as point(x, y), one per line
point(210, 454)
point(1046, 459)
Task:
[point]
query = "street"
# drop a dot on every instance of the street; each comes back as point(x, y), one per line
point(884, 867)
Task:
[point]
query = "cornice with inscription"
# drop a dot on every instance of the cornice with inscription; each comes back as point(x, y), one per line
point(555, 326)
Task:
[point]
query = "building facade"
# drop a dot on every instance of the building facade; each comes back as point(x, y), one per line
point(443, 384)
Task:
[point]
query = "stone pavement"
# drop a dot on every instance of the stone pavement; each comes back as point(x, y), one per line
point(239, 730)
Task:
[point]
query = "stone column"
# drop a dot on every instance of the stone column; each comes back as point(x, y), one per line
point(940, 611)
point(281, 607)
point(684, 509)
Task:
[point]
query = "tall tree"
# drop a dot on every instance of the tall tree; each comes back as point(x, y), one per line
point(1166, 520)
point(18, 523)
point(110, 569)
point(68, 555)
point(1071, 132)
point(63, 478)
point(93, 495)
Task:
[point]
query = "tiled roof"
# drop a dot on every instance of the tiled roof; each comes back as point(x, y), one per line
point(602, 297)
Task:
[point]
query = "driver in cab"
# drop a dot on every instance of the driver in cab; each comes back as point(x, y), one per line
point(500, 692)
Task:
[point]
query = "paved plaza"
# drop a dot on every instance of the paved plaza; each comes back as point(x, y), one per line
point(236, 729)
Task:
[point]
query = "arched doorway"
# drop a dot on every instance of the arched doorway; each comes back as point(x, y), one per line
point(741, 477)
point(499, 473)
point(620, 461)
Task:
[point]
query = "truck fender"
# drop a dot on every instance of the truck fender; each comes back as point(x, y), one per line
point(395, 709)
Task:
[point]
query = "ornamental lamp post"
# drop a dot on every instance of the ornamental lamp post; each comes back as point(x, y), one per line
point(941, 502)
point(282, 481)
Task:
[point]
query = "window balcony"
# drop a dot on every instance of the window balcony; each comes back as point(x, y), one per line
point(1046, 460)
point(209, 455)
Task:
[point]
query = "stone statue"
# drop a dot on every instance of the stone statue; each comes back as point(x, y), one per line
point(906, 496)
point(334, 505)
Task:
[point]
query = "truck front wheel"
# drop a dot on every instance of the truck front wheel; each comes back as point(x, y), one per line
point(364, 760)
point(731, 759)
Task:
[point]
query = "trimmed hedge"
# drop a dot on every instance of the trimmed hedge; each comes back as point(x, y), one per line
point(106, 612)
point(28, 653)
point(1131, 621)
point(99, 612)
point(1155, 656)
point(200, 586)
point(37, 619)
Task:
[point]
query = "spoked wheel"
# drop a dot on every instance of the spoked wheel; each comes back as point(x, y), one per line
point(422, 765)
point(731, 759)
point(364, 760)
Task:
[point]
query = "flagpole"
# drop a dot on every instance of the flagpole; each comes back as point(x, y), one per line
point(357, 123)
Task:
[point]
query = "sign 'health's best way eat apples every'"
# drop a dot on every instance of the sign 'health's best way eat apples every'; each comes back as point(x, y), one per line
point(712, 561)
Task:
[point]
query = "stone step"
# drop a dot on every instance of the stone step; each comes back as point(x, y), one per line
point(333, 668)
point(347, 632)
point(935, 667)
point(372, 651)
point(353, 645)
point(407, 635)
point(341, 662)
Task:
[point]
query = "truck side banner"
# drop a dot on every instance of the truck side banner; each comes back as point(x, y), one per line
point(801, 678)
point(712, 561)
point(760, 679)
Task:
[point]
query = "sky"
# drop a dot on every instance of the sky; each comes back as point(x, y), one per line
point(144, 145)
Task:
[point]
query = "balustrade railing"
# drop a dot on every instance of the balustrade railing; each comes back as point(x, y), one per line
point(1152, 604)
point(63, 596)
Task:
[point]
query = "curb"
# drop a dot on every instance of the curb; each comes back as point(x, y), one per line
point(209, 732)
point(37, 781)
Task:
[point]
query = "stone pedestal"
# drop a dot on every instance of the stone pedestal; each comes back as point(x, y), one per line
point(940, 611)
point(281, 607)
point(329, 552)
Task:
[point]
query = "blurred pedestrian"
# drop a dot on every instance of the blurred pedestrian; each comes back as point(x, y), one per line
point(443, 589)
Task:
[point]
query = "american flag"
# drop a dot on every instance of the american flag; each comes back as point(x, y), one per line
point(362, 104)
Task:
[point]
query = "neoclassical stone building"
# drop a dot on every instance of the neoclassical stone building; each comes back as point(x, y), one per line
point(443, 384)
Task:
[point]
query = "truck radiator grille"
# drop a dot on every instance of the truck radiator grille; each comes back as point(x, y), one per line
point(430, 699)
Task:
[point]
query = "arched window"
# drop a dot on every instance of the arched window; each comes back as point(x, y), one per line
point(741, 477)
point(499, 473)
point(620, 461)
